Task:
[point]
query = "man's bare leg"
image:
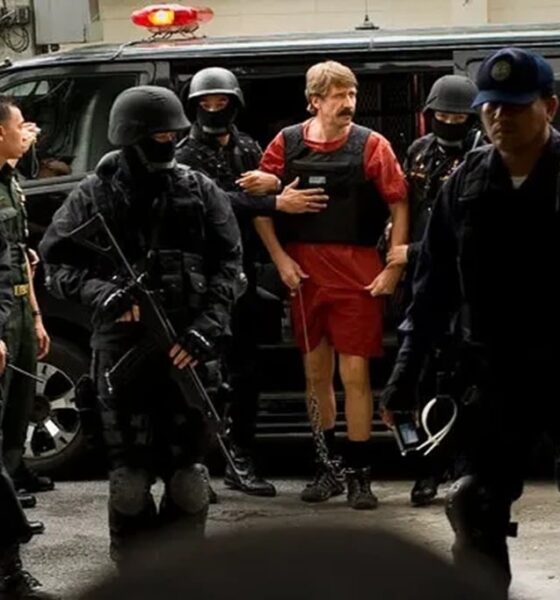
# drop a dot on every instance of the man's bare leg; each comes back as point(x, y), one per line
point(319, 372)
point(354, 373)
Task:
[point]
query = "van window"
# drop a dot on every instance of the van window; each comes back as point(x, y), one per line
point(72, 113)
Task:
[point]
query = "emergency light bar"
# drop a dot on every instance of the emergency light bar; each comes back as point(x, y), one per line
point(161, 18)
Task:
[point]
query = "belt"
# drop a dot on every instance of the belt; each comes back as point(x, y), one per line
point(22, 289)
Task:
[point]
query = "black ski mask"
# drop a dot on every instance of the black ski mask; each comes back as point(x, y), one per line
point(149, 163)
point(450, 133)
point(217, 122)
point(156, 156)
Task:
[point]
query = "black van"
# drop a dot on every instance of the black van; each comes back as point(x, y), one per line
point(69, 95)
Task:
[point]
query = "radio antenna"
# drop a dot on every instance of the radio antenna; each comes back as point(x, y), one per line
point(367, 24)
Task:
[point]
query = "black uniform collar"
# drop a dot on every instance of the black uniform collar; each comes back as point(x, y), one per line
point(6, 173)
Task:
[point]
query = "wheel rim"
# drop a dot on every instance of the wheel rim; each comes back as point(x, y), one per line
point(55, 420)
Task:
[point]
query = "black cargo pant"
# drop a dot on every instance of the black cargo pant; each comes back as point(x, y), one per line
point(21, 341)
point(515, 404)
point(241, 367)
point(435, 379)
point(149, 432)
point(14, 527)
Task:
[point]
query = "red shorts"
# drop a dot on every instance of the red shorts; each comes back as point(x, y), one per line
point(350, 320)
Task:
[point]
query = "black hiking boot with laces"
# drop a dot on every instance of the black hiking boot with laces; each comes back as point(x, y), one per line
point(324, 486)
point(360, 495)
point(15, 583)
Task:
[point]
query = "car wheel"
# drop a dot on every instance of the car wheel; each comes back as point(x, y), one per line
point(55, 443)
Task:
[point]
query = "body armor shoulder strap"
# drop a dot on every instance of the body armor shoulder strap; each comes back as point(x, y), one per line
point(294, 144)
point(357, 139)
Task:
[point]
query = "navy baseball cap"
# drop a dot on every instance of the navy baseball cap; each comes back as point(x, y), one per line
point(513, 76)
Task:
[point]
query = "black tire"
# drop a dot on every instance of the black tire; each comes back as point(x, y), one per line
point(55, 444)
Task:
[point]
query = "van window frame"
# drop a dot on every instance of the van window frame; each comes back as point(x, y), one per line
point(144, 72)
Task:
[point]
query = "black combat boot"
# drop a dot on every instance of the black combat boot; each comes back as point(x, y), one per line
point(25, 479)
point(360, 495)
point(27, 500)
point(424, 491)
point(37, 527)
point(246, 480)
point(15, 583)
point(325, 485)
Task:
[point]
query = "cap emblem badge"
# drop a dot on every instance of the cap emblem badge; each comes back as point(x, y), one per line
point(501, 70)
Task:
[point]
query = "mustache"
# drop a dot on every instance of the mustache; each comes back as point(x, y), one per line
point(346, 112)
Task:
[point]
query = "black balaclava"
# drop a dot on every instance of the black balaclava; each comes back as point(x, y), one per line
point(451, 134)
point(149, 162)
point(156, 156)
point(217, 122)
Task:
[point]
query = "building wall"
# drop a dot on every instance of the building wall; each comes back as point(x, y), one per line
point(524, 11)
point(242, 17)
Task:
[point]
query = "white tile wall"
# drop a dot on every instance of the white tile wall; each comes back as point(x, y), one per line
point(244, 17)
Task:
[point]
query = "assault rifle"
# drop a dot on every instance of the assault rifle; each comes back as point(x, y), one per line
point(161, 333)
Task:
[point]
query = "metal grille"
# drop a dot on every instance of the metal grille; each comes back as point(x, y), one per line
point(369, 97)
point(384, 105)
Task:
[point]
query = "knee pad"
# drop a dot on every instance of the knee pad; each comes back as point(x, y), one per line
point(129, 490)
point(189, 489)
point(476, 511)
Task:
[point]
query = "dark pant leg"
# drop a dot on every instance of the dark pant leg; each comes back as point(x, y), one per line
point(181, 436)
point(495, 442)
point(128, 438)
point(14, 527)
point(241, 363)
point(20, 390)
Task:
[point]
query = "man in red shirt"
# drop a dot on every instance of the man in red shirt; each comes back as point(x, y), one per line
point(329, 259)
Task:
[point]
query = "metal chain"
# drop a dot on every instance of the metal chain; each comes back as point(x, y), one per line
point(314, 413)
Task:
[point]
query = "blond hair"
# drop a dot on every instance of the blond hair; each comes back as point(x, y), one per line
point(320, 77)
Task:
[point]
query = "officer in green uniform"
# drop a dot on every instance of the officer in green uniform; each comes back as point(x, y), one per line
point(25, 337)
point(20, 333)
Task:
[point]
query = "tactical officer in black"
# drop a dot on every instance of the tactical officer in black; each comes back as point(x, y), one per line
point(489, 255)
point(430, 160)
point(176, 225)
point(217, 148)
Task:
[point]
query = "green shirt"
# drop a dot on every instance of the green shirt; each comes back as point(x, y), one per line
point(13, 219)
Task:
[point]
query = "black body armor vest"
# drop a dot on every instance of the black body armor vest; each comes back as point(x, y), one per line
point(355, 213)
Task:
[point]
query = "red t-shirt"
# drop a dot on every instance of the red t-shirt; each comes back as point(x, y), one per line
point(343, 265)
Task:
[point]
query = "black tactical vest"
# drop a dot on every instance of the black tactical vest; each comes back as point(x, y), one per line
point(355, 213)
point(430, 167)
point(223, 164)
point(170, 246)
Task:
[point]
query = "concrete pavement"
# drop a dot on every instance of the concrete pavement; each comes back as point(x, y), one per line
point(73, 551)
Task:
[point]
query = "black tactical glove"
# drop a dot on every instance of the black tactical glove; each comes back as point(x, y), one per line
point(198, 346)
point(116, 304)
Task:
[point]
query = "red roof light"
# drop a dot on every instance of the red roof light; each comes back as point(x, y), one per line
point(158, 17)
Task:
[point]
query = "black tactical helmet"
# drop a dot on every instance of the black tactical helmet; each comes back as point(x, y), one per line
point(141, 111)
point(453, 94)
point(214, 80)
